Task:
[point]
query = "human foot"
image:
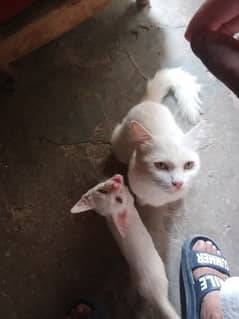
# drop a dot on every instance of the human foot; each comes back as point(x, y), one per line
point(203, 270)
point(210, 307)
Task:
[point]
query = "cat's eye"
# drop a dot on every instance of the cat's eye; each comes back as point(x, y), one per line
point(161, 165)
point(102, 191)
point(188, 165)
point(118, 199)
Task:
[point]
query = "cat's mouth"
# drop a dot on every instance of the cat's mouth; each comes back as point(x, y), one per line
point(176, 190)
point(171, 189)
point(168, 188)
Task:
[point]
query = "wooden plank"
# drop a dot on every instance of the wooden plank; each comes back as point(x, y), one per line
point(47, 27)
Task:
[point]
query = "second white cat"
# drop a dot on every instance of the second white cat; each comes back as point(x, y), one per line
point(163, 160)
point(113, 200)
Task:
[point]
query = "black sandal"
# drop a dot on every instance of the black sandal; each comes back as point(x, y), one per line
point(193, 291)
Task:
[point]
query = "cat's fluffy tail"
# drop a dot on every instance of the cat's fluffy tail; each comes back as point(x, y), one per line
point(184, 86)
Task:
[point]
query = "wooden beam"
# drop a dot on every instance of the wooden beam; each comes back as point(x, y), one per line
point(47, 27)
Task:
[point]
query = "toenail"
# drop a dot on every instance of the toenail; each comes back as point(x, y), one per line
point(209, 243)
point(198, 245)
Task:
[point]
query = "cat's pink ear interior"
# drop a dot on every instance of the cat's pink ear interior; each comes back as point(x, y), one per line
point(84, 204)
point(121, 222)
point(118, 179)
point(139, 133)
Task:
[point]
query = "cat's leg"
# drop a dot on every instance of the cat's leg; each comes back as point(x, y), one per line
point(116, 133)
point(117, 143)
point(122, 145)
point(135, 299)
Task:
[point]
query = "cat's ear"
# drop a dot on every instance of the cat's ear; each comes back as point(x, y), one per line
point(139, 133)
point(85, 203)
point(197, 135)
point(121, 222)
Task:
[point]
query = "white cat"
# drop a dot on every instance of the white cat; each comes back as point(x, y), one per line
point(113, 200)
point(162, 159)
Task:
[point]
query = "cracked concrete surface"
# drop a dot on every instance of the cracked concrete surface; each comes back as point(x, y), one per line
point(54, 144)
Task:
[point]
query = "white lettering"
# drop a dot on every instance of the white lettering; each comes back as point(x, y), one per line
point(203, 283)
point(215, 282)
point(204, 258)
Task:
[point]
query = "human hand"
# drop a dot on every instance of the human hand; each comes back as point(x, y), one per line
point(215, 15)
point(220, 54)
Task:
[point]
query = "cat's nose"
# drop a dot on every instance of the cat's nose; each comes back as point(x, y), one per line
point(177, 184)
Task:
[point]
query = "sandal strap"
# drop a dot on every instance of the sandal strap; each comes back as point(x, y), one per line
point(205, 284)
point(203, 259)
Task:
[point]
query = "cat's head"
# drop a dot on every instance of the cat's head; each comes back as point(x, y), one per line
point(171, 161)
point(110, 198)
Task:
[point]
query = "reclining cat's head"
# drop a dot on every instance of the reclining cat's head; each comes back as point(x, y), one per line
point(110, 199)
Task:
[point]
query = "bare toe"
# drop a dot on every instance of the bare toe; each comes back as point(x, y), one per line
point(199, 245)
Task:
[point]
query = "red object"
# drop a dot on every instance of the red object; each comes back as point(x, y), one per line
point(10, 8)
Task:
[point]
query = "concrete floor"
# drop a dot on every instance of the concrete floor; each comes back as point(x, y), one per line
point(54, 144)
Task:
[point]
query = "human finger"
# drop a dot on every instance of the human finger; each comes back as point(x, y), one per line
point(220, 54)
point(231, 27)
point(211, 16)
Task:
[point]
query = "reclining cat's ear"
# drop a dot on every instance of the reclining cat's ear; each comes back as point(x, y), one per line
point(85, 203)
point(121, 222)
point(197, 136)
point(140, 134)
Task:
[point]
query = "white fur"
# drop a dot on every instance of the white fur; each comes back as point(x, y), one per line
point(185, 88)
point(160, 139)
point(135, 242)
point(229, 297)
